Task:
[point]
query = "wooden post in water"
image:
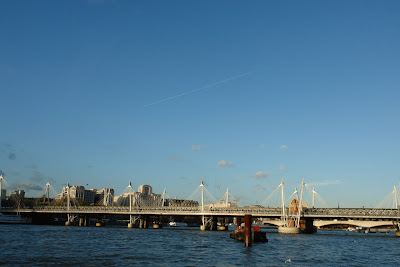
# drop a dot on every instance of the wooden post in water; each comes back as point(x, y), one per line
point(247, 230)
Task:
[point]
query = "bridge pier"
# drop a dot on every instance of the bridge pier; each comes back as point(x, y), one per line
point(397, 228)
point(82, 221)
point(68, 222)
point(207, 223)
point(223, 224)
point(214, 220)
point(307, 225)
point(132, 222)
point(143, 221)
point(99, 222)
point(157, 224)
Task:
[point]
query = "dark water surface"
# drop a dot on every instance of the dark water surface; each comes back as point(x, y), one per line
point(59, 245)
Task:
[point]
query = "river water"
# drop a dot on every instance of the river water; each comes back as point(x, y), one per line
point(38, 245)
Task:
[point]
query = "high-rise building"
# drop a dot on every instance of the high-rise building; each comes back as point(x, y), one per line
point(105, 196)
point(145, 189)
point(145, 198)
point(3, 193)
point(18, 194)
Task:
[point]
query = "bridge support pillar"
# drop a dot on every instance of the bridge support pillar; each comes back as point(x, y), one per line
point(80, 221)
point(143, 221)
point(214, 225)
point(223, 225)
point(68, 222)
point(207, 223)
point(307, 225)
point(157, 223)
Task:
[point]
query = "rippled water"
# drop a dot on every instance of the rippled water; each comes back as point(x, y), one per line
point(59, 245)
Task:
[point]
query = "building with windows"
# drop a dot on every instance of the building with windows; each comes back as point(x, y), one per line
point(90, 197)
point(104, 196)
point(146, 198)
point(19, 194)
point(3, 193)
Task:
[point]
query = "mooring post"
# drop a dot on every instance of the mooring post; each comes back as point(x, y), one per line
point(247, 230)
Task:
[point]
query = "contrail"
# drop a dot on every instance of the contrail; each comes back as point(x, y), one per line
point(198, 89)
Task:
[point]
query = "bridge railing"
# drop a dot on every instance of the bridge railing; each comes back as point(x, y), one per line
point(112, 208)
point(149, 209)
point(255, 211)
point(320, 212)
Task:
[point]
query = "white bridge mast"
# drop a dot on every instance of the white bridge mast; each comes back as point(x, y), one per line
point(1, 189)
point(283, 218)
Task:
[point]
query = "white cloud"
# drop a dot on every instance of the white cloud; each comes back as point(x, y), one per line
point(325, 183)
point(197, 147)
point(260, 175)
point(259, 187)
point(283, 147)
point(282, 168)
point(174, 158)
point(25, 186)
point(224, 163)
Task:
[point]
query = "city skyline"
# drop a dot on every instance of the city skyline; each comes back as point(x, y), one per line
point(240, 95)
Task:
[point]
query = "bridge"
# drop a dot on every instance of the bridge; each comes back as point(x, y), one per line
point(315, 213)
point(321, 216)
point(278, 216)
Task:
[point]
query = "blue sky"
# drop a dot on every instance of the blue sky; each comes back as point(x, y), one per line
point(270, 90)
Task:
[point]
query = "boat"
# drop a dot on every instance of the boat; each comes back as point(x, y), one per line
point(178, 224)
point(256, 235)
point(14, 219)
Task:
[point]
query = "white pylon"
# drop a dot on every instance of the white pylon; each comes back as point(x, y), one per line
point(202, 201)
point(130, 203)
point(296, 193)
point(163, 197)
point(300, 207)
point(227, 197)
point(47, 193)
point(313, 197)
point(284, 220)
point(1, 189)
point(68, 202)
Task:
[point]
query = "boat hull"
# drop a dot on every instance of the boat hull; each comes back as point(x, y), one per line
point(14, 219)
point(289, 230)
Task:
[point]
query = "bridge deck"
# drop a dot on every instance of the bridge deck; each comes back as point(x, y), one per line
point(373, 214)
